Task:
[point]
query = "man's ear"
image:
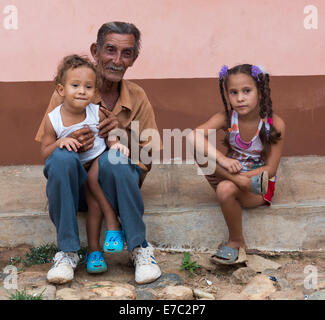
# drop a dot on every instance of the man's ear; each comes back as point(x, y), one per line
point(93, 51)
point(60, 89)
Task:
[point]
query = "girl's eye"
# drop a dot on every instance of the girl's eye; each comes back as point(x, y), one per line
point(232, 92)
point(247, 90)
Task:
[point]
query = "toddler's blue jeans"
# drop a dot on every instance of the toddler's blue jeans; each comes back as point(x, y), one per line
point(118, 178)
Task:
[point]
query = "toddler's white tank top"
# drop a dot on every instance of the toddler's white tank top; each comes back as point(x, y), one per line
point(92, 119)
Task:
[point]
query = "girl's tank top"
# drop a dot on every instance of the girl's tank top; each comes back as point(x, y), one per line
point(92, 119)
point(247, 153)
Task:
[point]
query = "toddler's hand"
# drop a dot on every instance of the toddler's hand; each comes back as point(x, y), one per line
point(231, 165)
point(123, 149)
point(69, 143)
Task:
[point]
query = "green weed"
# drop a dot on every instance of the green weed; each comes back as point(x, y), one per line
point(40, 255)
point(44, 254)
point(189, 265)
point(23, 295)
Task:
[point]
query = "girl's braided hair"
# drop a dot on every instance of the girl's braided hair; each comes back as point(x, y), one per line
point(72, 62)
point(262, 81)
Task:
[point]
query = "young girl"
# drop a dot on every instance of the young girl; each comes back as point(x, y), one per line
point(246, 176)
point(76, 83)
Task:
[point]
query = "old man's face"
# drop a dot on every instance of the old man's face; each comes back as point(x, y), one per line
point(115, 56)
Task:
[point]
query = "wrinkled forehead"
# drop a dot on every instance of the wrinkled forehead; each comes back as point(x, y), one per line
point(120, 41)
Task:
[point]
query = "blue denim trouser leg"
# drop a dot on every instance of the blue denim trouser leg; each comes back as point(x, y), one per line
point(65, 178)
point(120, 183)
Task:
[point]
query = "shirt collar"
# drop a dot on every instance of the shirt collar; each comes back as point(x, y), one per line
point(123, 102)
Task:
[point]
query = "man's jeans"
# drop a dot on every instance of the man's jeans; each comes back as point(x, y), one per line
point(65, 191)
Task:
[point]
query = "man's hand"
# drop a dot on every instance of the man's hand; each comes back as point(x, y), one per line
point(108, 124)
point(85, 137)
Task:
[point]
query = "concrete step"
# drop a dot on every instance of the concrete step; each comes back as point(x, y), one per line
point(181, 211)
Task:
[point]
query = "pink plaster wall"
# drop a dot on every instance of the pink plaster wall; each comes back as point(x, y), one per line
point(181, 38)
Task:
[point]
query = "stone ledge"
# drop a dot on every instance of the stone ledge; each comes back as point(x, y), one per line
point(181, 211)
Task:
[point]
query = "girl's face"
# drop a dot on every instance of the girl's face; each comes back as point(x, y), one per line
point(79, 87)
point(242, 94)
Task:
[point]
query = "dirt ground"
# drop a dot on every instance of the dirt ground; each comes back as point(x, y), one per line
point(217, 280)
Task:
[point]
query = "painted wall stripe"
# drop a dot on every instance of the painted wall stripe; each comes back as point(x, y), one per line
point(181, 39)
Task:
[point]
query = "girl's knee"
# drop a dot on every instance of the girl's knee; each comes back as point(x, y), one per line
point(63, 157)
point(61, 163)
point(225, 190)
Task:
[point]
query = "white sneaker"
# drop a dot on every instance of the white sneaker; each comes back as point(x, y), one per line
point(146, 267)
point(62, 270)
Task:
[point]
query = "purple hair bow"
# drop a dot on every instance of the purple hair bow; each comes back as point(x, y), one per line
point(256, 71)
point(223, 72)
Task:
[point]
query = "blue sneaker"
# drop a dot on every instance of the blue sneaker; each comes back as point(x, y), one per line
point(114, 241)
point(96, 262)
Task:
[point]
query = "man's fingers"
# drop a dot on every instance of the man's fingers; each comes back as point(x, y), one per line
point(105, 111)
point(85, 138)
point(87, 145)
point(82, 131)
point(109, 121)
point(105, 130)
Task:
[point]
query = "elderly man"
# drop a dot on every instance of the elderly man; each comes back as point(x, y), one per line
point(122, 101)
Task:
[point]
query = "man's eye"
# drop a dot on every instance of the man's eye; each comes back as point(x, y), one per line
point(127, 54)
point(110, 49)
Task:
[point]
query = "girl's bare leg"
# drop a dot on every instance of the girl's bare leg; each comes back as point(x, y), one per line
point(93, 222)
point(241, 181)
point(231, 200)
point(112, 222)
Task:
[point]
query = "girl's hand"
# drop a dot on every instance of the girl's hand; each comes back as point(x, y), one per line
point(231, 165)
point(69, 143)
point(123, 149)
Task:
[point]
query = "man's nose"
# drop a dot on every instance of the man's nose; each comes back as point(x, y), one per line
point(117, 58)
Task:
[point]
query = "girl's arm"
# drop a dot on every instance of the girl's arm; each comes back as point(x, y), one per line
point(50, 143)
point(216, 122)
point(273, 160)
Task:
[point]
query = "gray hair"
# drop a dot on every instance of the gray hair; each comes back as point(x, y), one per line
point(120, 28)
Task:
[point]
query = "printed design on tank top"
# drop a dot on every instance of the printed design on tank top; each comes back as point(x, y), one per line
point(248, 153)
